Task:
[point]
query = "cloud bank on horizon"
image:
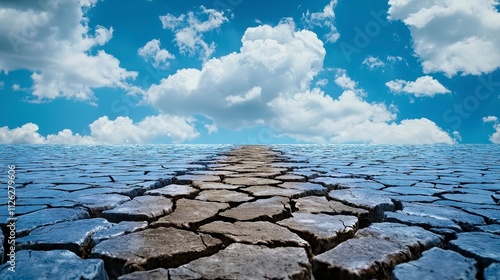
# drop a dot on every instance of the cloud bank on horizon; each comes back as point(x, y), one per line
point(426, 73)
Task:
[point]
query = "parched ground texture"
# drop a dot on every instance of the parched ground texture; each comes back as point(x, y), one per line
point(260, 212)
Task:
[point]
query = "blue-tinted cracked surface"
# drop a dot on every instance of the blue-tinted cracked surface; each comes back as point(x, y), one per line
point(451, 192)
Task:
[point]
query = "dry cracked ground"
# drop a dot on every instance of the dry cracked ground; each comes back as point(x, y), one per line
point(258, 212)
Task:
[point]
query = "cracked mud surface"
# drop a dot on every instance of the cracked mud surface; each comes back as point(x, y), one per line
point(261, 212)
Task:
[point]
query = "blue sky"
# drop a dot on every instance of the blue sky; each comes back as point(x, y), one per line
point(241, 71)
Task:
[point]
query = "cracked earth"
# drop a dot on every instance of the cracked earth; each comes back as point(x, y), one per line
point(261, 212)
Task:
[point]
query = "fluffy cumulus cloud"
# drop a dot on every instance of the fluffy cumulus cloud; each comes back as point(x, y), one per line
point(53, 40)
point(189, 30)
point(268, 82)
point(234, 89)
point(159, 57)
point(344, 81)
point(495, 137)
point(452, 36)
point(325, 19)
point(422, 87)
point(373, 62)
point(314, 116)
point(122, 130)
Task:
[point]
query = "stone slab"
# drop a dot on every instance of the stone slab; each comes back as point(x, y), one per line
point(376, 202)
point(49, 216)
point(155, 274)
point(153, 248)
point(483, 247)
point(255, 233)
point(270, 209)
point(268, 191)
point(241, 261)
point(75, 236)
point(437, 263)
point(374, 252)
point(141, 208)
point(117, 230)
point(174, 191)
point(190, 214)
point(54, 264)
point(225, 196)
point(251, 181)
point(322, 231)
point(492, 272)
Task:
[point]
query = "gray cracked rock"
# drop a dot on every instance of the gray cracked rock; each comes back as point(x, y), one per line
point(241, 261)
point(267, 191)
point(492, 272)
point(493, 228)
point(291, 178)
point(270, 209)
point(319, 204)
point(225, 196)
point(188, 179)
point(376, 202)
point(422, 221)
point(141, 208)
point(214, 186)
point(255, 233)
point(54, 264)
point(190, 214)
point(49, 216)
point(75, 236)
point(437, 263)
point(153, 248)
point(483, 247)
point(174, 191)
point(97, 203)
point(374, 252)
point(491, 215)
point(118, 230)
point(308, 188)
point(322, 231)
point(155, 274)
point(251, 181)
point(465, 220)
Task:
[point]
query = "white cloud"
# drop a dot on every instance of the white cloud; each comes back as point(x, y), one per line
point(253, 93)
point(322, 83)
point(211, 128)
point(16, 87)
point(326, 18)
point(66, 136)
point(490, 119)
point(24, 134)
point(234, 90)
point(452, 36)
point(425, 86)
point(268, 82)
point(316, 117)
point(495, 137)
point(153, 51)
point(394, 59)
point(189, 31)
point(53, 40)
point(373, 62)
point(122, 130)
point(344, 81)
